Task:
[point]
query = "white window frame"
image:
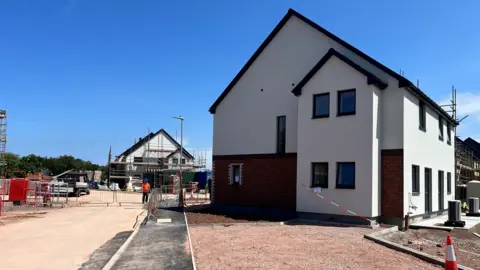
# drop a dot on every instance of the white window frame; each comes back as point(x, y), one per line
point(231, 181)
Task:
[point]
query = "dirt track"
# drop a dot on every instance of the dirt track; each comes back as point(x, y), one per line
point(62, 239)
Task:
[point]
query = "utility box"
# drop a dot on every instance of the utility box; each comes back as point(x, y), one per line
point(18, 190)
point(473, 207)
point(454, 215)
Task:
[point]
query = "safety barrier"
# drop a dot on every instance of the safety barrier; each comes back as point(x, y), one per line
point(109, 197)
point(193, 195)
point(31, 194)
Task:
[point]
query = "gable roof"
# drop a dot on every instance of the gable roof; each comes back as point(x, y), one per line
point(474, 145)
point(371, 79)
point(402, 81)
point(145, 139)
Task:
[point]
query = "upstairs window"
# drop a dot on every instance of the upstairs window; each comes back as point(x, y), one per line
point(346, 175)
point(415, 179)
point(320, 175)
point(175, 161)
point(346, 102)
point(183, 161)
point(281, 133)
point(321, 105)
point(449, 133)
point(138, 159)
point(440, 128)
point(422, 116)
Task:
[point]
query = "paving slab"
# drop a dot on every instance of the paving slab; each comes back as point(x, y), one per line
point(437, 223)
point(159, 245)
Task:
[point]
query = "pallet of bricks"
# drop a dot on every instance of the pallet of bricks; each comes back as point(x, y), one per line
point(173, 184)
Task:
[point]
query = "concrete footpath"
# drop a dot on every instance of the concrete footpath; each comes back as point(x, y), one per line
point(159, 245)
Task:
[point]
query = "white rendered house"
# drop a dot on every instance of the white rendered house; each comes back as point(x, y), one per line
point(310, 110)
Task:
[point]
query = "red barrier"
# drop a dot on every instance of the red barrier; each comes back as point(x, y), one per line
point(18, 190)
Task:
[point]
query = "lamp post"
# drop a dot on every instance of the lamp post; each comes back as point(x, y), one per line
point(180, 159)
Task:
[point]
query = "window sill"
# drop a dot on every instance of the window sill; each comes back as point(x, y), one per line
point(449, 193)
point(415, 193)
point(320, 116)
point(440, 138)
point(344, 187)
point(318, 186)
point(422, 129)
point(346, 113)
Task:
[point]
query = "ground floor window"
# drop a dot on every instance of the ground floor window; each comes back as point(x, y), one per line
point(449, 183)
point(346, 175)
point(415, 179)
point(320, 175)
point(236, 174)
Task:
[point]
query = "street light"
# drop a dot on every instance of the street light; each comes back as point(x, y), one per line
point(180, 159)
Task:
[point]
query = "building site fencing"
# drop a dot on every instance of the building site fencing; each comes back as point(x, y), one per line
point(108, 197)
point(20, 193)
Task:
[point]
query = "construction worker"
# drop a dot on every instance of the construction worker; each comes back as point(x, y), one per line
point(145, 190)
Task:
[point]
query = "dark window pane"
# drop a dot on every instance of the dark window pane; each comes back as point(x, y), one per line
point(321, 106)
point(320, 175)
point(415, 178)
point(422, 115)
point(440, 126)
point(346, 175)
point(346, 103)
point(449, 135)
point(236, 174)
point(281, 134)
point(449, 183)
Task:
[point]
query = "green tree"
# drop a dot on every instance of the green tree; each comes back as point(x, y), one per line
point(56, 165)
point(32, 164)
point(13, 164)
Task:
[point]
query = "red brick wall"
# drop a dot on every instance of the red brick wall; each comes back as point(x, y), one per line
point(392, 183)
point(269, 180)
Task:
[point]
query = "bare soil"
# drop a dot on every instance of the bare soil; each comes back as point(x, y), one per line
point(432, 241)
point(294, 247)
point(16, 216)
point(215, 216)
point(62, 238)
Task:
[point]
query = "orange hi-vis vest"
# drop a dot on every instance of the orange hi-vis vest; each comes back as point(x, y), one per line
point(146, 187)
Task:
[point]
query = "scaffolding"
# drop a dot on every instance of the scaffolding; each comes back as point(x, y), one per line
point(158, 158)
point(468, 163)
point(3, 141)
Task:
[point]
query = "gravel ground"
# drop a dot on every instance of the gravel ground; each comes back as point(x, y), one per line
point(432, 242)
point(294, 247)
point(211, 215)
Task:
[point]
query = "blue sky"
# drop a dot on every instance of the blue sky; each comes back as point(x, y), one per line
point(80, 75)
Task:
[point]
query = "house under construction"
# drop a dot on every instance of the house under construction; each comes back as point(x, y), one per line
point(468, 164)
point(154, 157)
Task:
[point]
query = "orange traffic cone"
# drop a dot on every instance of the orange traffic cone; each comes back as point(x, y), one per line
point(450, 259)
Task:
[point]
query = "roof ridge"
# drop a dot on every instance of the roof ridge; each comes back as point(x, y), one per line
point(144, 140)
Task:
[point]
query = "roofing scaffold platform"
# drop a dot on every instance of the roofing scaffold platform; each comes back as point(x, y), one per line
point(3, 139)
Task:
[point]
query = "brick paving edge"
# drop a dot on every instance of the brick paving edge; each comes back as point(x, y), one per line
point(190, 241)
point(113, 260)
point(375, 237)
